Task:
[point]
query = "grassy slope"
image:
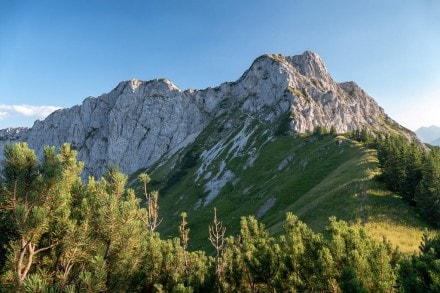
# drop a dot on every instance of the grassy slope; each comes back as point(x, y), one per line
point(389, 216)
point(321, 177)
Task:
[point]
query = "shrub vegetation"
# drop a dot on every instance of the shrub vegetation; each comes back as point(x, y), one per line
point(64, 234)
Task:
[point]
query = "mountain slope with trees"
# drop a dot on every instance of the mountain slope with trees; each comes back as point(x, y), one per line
point(251, 169)
point(282, 179)
point(69, 236)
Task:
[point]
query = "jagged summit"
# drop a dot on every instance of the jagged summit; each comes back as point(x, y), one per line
point(310, 65)
point(138, 122)
point(140, 86)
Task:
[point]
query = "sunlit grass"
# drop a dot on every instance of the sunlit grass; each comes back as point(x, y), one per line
point(390, 216)
point(324, 177)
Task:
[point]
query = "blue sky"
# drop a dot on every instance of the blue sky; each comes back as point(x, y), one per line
point(57, 53)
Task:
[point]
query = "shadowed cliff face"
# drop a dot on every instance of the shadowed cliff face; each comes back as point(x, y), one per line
point(138, 122)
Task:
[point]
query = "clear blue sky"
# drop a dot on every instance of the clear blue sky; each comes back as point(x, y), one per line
point(56, 53)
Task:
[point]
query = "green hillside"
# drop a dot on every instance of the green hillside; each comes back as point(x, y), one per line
point(242, 167)
point(64, 235)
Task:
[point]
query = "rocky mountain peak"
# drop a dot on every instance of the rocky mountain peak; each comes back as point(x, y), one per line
point(281, 67)
point(310, 65)
point(158, 86)
point(134, 84)
point(139, 122)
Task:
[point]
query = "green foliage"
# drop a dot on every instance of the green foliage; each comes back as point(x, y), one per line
point(302, 260)
point(427, 194)
point(421, 273)
point(73, 236)
point(189, 160)
point(301, 93)
point(68, 234)
point(369, 263)
point(314, 176)
point(414, 173)
point(283, 125)
point(301, 251)
point(320, 130)
point(35, 199)
point(362, 135)
point(333, 131)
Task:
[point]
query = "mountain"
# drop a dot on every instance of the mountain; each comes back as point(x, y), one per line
point(244, 147)
point(139, 122)
point(429, 134)
point(436, 142)
point(241, 167)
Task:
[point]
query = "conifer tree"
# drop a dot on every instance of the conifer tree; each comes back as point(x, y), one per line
point(152, 199)
point(428, 190)
point(260, 256)
point(300, 247)
point(117, 225)
point(36, 198)
point(421, 272)
point(364, 262)
point(217, 239)
point(184, 238)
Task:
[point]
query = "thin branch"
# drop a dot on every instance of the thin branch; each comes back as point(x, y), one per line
point(46, 248)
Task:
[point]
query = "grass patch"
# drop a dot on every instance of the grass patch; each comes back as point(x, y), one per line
point(300, 93)
point(389, 216)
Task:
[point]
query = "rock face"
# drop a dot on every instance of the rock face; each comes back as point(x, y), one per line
point(140, 121)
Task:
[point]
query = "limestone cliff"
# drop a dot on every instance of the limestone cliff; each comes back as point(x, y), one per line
point(140, 121)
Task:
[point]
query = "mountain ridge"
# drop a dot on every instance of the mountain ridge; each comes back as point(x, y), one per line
point(436, 142)
point(138, 122)
point(429, 134)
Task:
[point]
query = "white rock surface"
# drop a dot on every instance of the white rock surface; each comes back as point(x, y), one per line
point(140, 121)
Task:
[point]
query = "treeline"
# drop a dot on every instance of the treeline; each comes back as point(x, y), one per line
point(60, 234)
point(410, 170)
point(406, 168)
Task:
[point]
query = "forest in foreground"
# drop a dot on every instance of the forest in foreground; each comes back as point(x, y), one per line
point(62, 234)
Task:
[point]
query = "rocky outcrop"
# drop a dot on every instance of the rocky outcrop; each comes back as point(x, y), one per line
point(140, 121)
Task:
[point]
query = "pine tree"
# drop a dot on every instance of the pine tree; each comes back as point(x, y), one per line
point(260, 256)
point(152, 199)
point(117, 224)
point(217, 239)
point(413, 172)
point(421, 273)
point(428, 190)
point(184, 238)
point(365, 263)
point(300, 247)
point(36, 199)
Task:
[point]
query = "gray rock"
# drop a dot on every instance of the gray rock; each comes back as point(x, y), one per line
point(138, 122)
